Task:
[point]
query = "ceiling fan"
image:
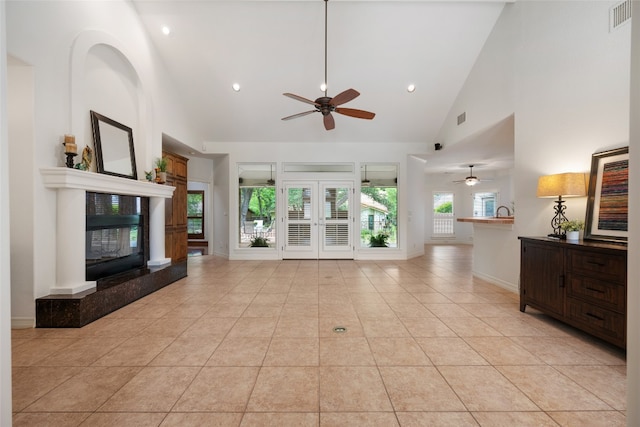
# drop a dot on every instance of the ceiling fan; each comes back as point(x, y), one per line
point(471, 180)
point(365, 182)
point(271, 181)
point(325, 104)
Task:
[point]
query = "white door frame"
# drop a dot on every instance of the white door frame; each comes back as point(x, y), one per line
point(317, 227)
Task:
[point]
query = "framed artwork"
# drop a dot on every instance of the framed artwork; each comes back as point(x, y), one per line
point(113, 143)
point(608, 196)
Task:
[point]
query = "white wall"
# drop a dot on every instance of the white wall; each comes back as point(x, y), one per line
point(5, 278)
point(221, 208)
point(20, 96)
point(415, 207)
point(569, 92)
point(487, 96)
point(572, 98)
point(83, 55)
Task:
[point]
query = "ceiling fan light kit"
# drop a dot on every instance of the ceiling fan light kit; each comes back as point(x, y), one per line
point(325, 104)
point(471, 180)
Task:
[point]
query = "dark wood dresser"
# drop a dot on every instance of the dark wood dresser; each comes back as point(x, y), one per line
point(581, 283)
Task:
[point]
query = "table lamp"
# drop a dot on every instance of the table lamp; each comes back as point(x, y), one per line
point(561, 185)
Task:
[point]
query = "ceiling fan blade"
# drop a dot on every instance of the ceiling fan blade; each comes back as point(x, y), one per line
point(329, 122)
point(360, 114)
point(301, 99)
point(295, 116)
point(344, 97)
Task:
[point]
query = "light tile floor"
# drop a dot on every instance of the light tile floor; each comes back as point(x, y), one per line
point(251, 343)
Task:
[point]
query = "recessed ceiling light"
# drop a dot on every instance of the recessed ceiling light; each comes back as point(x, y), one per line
point(323, 87)
point(236, 87)
point(166, 30)
point(411, 88)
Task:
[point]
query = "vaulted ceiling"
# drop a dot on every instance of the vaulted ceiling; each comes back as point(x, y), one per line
point(272, 47)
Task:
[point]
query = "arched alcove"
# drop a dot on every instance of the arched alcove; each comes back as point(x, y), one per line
point(107, 78)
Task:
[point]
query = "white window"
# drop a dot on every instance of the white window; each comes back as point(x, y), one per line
point(484, 204)
point(379, 205)
point(443, 220)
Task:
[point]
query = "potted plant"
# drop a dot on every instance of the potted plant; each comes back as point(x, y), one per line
point(259, 242)
point(572, 228)
point(378, 240)
point(161, 170)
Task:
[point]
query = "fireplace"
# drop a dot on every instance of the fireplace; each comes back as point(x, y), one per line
point(109, 246)
point(117, 234)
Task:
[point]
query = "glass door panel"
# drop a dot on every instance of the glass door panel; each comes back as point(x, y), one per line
point(318, 220)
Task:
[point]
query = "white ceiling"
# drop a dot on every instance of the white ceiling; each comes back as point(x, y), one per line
point(272, 47)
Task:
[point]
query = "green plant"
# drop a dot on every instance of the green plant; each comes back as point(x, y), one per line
point(573, 225)
point(259, 242)
point(161, 163)
point(379, 240)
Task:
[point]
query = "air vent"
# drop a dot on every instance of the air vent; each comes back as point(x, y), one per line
point(619, 15)
point(462, 118)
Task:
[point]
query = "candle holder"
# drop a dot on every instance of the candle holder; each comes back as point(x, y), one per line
point(70, 157)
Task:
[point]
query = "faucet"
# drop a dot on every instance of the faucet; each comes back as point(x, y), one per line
point(498, 211)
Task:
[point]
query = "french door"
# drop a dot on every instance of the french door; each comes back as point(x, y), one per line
point(318, 219)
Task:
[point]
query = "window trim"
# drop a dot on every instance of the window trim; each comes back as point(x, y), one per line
point(448, 217)
point(198, 236)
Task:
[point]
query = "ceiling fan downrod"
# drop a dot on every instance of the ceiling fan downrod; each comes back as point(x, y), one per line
point(325, 104)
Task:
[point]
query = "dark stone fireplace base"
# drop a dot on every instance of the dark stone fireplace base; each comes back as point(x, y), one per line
point(75, 311)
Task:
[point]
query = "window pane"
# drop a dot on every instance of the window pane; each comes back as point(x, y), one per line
point(195, 204)
point(195, 214)
point(484, 204)
point(257, 215)
point(443, 212)
point(378, 215)
point(194, 226)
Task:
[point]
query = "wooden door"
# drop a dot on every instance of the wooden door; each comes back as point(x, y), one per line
point(176, 209)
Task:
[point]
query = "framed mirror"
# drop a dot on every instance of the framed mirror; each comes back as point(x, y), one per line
point(113, 144)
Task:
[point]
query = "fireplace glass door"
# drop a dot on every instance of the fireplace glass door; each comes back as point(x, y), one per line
point(115, 234)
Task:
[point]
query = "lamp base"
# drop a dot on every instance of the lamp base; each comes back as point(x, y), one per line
point(558, 219)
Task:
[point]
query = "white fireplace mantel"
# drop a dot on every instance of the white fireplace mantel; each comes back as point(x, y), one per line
point(72, 185)
point(100, 183)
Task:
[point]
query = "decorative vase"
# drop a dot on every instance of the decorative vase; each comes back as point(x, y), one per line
point(161, 177)
point(573, 235)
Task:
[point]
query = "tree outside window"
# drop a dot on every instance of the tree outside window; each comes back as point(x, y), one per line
point(379, 214)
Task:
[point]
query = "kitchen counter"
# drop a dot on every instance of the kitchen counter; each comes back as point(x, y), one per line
point(488, 220)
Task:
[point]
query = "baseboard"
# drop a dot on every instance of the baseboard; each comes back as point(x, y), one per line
point(22, 322)
point(498, 282)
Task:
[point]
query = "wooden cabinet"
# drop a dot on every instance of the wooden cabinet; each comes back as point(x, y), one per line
point(175, 218)
point(583, 284)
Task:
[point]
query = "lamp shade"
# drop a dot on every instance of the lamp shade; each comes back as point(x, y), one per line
point(562, 184)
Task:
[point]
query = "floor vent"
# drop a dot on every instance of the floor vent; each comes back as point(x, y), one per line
point(619, 15)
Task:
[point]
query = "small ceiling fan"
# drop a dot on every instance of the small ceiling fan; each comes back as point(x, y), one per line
point(365, 182)
point(325, 104)
point(471, 180)
point(271, 181)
